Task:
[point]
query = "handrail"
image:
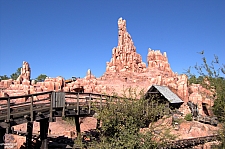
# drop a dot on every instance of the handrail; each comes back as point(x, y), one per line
point(28, 95)
point(191, 141)
point(96, 94)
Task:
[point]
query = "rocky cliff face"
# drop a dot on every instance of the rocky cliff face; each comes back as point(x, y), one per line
point(125, 60)
point(24, 77)
point(124, 70)
point(159, 61)
point(124, 56)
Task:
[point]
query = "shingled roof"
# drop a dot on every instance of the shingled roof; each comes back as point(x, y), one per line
point(167, 93)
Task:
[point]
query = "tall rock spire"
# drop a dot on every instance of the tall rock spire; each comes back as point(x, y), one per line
point(124, 56)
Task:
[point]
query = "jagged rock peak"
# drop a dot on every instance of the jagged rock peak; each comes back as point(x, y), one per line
point(124, 56)
point(24, 77)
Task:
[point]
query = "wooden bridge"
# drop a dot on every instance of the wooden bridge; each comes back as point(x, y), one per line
point(45, 107)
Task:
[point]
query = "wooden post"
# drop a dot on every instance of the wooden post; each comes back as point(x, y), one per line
point(78, 110)
point(101, 102)
point(89, 104)
point(77, 123)
point(147, 107)
point(29, 134)
point(51, 107)
point(8, 130)
point(31, 109)
point(44, 124)
point(2, 134)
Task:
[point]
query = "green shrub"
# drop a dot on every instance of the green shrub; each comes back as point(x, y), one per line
point(121, 123)
point(188, 117)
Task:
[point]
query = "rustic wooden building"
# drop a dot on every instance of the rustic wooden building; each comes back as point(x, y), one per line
point(163, 95)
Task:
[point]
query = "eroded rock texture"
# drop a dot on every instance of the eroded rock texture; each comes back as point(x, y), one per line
point(124, 56)
point(125, 70)
point(24, 77)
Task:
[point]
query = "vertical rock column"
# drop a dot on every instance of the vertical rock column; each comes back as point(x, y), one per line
point(124, 56)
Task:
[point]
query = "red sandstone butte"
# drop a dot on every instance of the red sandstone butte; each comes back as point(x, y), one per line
point(124, 70)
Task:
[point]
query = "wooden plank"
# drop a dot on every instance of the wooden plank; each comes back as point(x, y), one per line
point(89, 104)
point(101, 102)
point(31, 109)
point(51, 107)
point(8, 109)
point(29, 95)
point(78, 104)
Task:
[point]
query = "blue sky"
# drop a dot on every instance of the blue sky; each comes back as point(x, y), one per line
point(66, 38)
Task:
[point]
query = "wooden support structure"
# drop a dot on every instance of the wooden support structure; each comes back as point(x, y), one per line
point(77, 123)
point(101, 102)
point(29, 134)
point(44, 124)
point(89, 105)
point(78, 110)
point(8, 130)
point(51, 107)
point(2, 141)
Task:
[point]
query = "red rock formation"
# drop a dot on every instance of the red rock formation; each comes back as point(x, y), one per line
point(6, 83)
point(202, 97)
point(124, 56)
point(125, 70)
point(157, 60)
point(24, 77)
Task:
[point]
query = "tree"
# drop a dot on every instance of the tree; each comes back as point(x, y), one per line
point(4, 77)
point(195, 80)
point(212, 75)
point(41, 78)
point(15, 75)
point(121, 123)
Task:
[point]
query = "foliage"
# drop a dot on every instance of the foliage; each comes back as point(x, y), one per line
point(188, 117)
point(178, 120)
point(214, 81)
point(122, 121)
point(4, 77)
point(69, 120)
point(13, 76)
point(16, 74)
point(195, 80)
point(41, 78)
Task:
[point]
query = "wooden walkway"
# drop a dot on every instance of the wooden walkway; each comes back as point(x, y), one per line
point(45, 107)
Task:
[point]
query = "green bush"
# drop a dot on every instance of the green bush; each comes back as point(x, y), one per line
point(188, 117)
point(121, 123)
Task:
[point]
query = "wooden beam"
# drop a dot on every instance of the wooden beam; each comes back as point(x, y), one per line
point(78, 110)
point(29, 135)
point(77, 123)
point(44, 125)
point(153, 92)
point(2, 141)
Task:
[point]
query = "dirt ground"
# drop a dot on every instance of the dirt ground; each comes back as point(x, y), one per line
point(58, 128)
point(67, 128)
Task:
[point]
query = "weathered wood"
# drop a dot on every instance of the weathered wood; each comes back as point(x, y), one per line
point(2, 141)
point(51, 108)
point(8, 110)
point(77, 123)
point(101, 102)
point(29, 95)
point(89, 105)
point(31, 109)
point(78, 104)
point(44, 125)
point(187, 143)
point(29, 135)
